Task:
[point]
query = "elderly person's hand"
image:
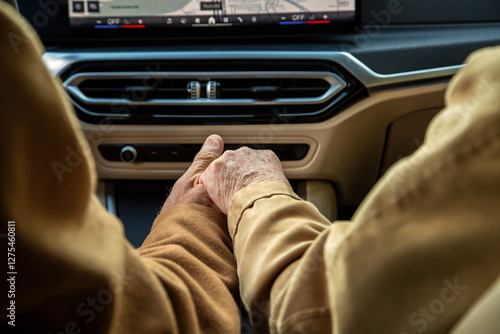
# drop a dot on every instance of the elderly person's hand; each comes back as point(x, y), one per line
point(188, 189)
point(235, 170)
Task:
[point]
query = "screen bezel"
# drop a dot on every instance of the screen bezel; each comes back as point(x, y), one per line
point(51, 21)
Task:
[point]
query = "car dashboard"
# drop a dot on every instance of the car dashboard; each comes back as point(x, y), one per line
point(339, 104)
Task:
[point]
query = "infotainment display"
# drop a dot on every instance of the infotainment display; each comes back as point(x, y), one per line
point(140, 14)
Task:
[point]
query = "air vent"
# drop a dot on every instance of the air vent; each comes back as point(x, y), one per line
point(231, 92)
point(178, 89)
point(132, 89)
point(272, 89)
point(234, 88)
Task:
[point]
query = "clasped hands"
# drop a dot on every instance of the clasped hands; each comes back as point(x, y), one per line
point(215, 177)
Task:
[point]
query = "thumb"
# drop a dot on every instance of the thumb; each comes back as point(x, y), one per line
point(211, 150)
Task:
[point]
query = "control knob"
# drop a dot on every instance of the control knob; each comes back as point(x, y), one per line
point(128, 154)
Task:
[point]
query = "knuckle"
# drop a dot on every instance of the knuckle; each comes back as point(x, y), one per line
point(216, 165)
point(229, 155)
point(268, 152)
point(272, 155)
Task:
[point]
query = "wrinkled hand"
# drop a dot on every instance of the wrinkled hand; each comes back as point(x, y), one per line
point(188, 189)
point(235, 170)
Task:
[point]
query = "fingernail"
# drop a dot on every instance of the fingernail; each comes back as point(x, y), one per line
point(212, 142)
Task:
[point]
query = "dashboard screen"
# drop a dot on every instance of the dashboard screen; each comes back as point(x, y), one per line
point(138, 14)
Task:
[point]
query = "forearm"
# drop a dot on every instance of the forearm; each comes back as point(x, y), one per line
point(189, 250)
point(90, 279)
point(277, 239)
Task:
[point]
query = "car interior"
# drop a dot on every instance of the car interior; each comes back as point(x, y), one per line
point(340, 90)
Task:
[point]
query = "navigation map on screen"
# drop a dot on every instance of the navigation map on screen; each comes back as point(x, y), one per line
point(106, 14)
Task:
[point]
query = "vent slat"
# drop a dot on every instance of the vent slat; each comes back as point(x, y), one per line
point(288, 88)
point(229, 88)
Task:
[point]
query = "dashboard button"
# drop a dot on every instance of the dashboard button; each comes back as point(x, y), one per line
point(128, 154)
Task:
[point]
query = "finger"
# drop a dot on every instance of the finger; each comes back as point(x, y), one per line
point(211, 150)
point(207, 180)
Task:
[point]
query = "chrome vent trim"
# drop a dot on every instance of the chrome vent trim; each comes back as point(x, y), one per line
point(336, 85)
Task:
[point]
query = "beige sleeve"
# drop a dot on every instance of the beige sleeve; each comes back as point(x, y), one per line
point(427, 237)
point(278, 240)
point(76, 273)
point(421, 249)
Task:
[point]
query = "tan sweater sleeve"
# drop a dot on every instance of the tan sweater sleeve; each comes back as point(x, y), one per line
point(278, 240)
point(426, 239)
point(76, 273)
point(421, 249)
